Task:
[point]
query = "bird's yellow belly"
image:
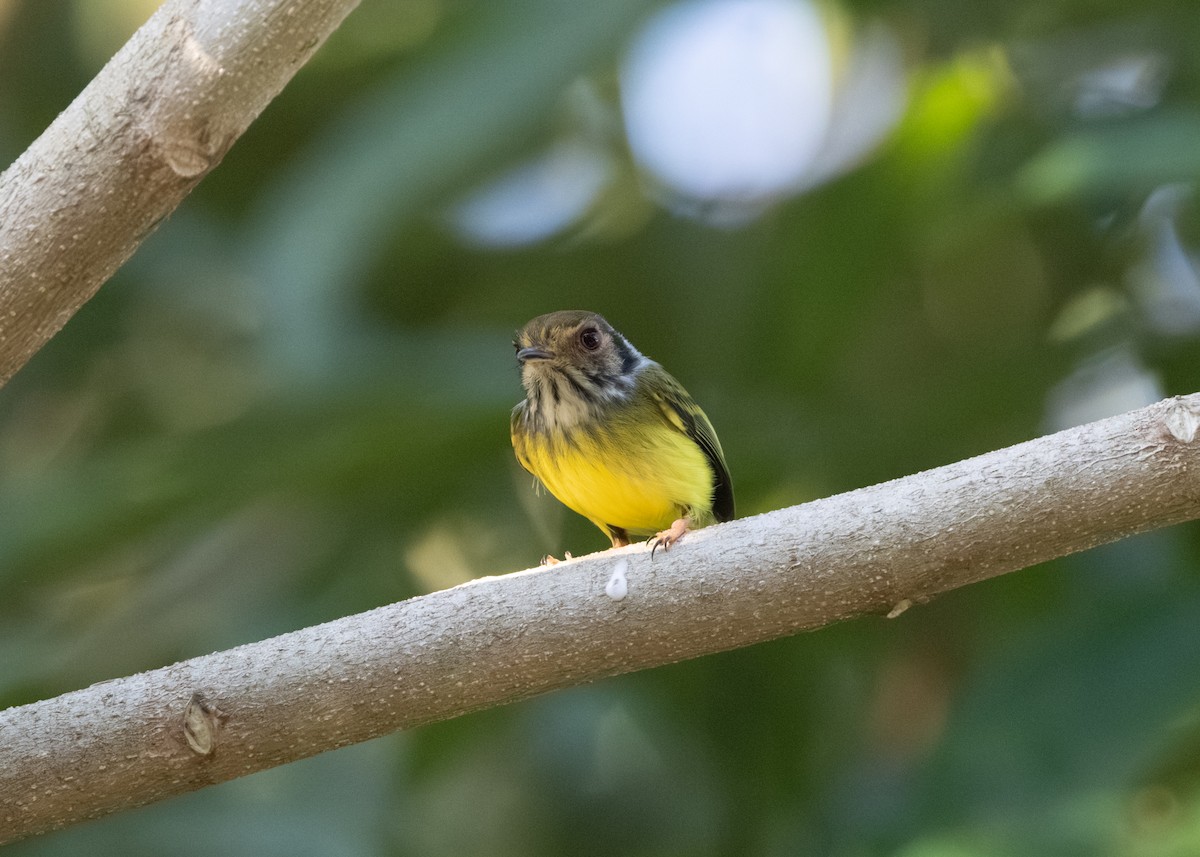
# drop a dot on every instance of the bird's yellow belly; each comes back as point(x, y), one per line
point(640, 486)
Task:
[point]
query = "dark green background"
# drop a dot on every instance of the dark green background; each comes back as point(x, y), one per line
point(292, 405)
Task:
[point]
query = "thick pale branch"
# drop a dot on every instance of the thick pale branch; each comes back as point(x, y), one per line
point(134, 740)
point(125, 153)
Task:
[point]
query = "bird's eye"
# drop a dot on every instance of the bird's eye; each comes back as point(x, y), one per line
point(516, 345)
point(589, 338)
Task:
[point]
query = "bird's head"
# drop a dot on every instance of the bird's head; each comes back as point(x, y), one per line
point(574, 357)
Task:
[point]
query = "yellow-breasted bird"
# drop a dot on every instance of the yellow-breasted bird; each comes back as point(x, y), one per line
point(612, 435)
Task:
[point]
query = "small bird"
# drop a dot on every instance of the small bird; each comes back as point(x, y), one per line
point(612, 435)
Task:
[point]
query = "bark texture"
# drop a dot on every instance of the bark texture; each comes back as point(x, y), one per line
point(124, 154)
point(877, 550)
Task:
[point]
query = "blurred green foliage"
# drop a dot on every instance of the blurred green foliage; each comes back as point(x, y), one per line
point(291, 405)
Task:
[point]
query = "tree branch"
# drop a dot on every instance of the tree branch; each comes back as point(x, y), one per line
point(125, 153)
point(127, 742)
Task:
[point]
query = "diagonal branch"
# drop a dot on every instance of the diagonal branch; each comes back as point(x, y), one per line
point(128, 742)
point(125, 153)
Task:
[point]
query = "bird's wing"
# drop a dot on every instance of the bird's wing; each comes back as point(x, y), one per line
point(682, 412)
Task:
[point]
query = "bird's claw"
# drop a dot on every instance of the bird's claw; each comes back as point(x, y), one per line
point(553, 560)
point(668, 536)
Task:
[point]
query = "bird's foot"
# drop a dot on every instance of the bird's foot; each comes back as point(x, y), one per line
point(669, 536)
point(551, 560)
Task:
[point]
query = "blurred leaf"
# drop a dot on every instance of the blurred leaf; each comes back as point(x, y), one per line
point(1128, 157)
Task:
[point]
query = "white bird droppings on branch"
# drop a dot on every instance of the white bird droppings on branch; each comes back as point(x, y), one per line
point(618, 586)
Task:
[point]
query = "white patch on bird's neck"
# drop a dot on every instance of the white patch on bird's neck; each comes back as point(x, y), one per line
point(642, 360)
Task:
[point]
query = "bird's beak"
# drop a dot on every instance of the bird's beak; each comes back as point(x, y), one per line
point(531, 353)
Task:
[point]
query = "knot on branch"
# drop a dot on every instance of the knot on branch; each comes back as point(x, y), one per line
point(202, 722)
point(1182, 419)
point(187, 133)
